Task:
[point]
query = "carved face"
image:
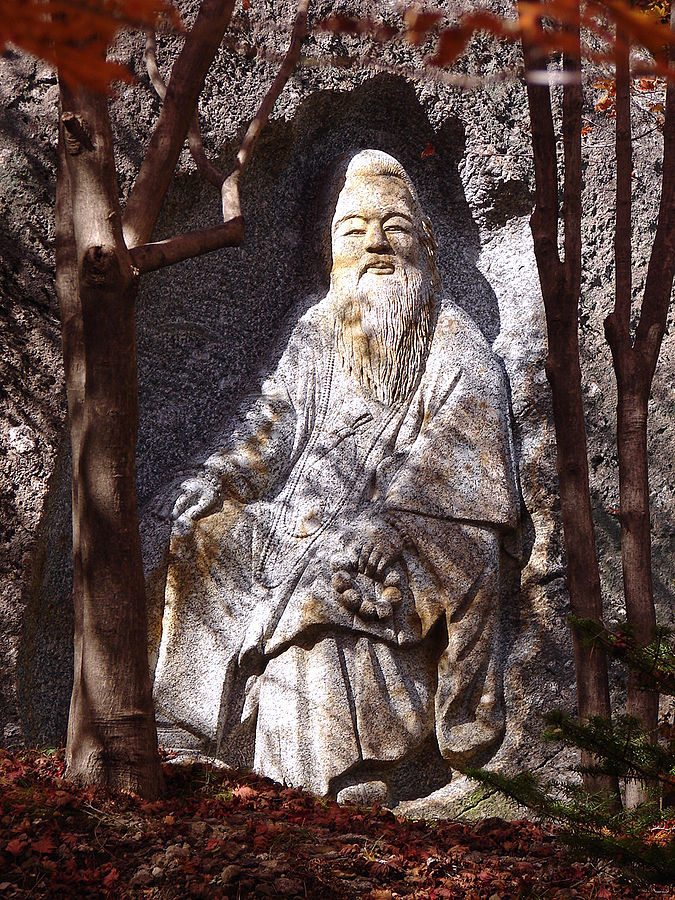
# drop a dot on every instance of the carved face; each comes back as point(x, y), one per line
point(375, 232)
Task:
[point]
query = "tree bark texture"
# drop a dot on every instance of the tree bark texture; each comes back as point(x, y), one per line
point(112, 738)
point(560, 282)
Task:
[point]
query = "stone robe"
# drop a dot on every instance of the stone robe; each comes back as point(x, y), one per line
point(258, 656)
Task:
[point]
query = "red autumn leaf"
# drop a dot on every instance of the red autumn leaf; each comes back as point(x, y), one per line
point(384, 33)
point(73, 35)
point(451, 43)
point(213, 843)
point(44, 845)
point(110, 879)
point(417, 20)
point(60, 798)
point(16, 846)
point(244, 792)
point(151, 806)
point(339, 24)
point(523, 867)
point(246, 4)
point(604, 102)
point(428, 151)
point(419, 23)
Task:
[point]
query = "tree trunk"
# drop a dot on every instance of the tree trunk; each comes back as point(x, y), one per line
point(560, 282)
point(112, 738)
point(633, 379)
point(583, 574)
point(636, 536)
point(633, 386)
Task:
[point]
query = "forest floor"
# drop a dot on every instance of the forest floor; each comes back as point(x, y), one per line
point(218, 833)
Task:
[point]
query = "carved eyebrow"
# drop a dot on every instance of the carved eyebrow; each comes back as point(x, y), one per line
point(347, 217)
point(399, 215)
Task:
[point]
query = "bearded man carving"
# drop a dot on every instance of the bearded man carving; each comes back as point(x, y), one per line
point(333, 592)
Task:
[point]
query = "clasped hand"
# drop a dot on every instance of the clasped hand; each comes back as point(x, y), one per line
point(370, 555)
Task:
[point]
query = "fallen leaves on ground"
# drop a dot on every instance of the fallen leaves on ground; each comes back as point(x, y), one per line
point(220, 833)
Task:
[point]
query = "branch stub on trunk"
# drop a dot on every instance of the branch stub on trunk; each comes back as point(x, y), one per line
point(100, 266)
point(77, 138)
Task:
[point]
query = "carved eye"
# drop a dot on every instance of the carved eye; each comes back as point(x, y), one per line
point(354, 231)
point(397, 226)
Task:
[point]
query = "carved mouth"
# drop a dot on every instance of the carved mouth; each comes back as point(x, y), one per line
point(381, 267)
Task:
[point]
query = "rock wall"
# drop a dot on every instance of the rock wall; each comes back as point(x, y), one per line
point(207, 327)
point(31, 400)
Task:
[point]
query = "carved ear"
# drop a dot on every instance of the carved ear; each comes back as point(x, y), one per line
point(431, 247)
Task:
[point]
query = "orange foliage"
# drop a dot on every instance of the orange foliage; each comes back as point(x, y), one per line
point(73, 35)
point(546, 25)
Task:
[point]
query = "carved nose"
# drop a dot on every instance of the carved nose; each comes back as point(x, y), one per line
point(376, 239)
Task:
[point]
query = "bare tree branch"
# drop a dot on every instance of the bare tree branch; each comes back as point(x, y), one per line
point(544, 222)
point(152, 68)
point(150, 257)
point(423, 75)
point(573, 100)
point(634, 365)
point(230, 188)
point(661, 268)
point(619, 322)
point(204, 165)
point(185, 84)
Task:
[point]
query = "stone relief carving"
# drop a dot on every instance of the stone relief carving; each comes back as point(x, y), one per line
point(332, 602)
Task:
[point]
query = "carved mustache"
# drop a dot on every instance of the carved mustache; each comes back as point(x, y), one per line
point(376, 261)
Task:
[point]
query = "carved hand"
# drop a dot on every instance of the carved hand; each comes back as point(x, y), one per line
point(200, 495)
point(373, 547)
point(368, 565)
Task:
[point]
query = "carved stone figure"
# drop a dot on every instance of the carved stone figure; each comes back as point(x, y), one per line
point(333, 592)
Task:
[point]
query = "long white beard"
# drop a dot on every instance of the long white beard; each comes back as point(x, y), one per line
point(383, 330)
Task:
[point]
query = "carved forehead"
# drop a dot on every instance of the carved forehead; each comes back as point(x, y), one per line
point(366, 195)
